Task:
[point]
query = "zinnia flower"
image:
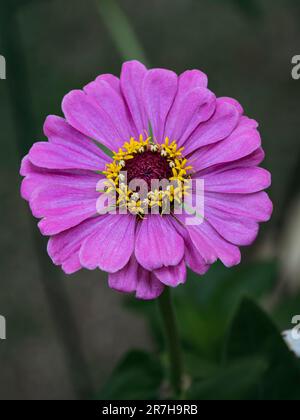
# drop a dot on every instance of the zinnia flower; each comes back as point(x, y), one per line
point(158, 126)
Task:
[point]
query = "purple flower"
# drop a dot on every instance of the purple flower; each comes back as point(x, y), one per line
point(158, 126)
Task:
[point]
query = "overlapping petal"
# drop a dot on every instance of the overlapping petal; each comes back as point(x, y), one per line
point(158, 245)
point(135, 279)
point(159, 90)
point(142, 256)
point(64, 248)
point(111, 247)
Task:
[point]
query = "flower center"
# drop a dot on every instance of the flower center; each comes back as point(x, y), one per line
point(148, 166)
point(160, 168)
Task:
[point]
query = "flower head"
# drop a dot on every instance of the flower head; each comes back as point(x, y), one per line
point(166, 133)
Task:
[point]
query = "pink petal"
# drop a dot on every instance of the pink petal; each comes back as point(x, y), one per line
point(241, 143)
point(125, 280)
point(132, 77)
point(241, 180)
point(148, 287)
point(191, 79)
point(229, 254)
point(134, 278)
point(112, 246)
point(72, 265)
point(159, 90)
point(233, 102)
point(83, 113)
point(56, 156)
point(112, 80)
point(64, 248)
point(55, 200)
point(173, 275)
point(201, 245)
point(257, 206)
point(59, 132)
point(47, 178)
point(188, 111)
point(211, 245)
point(254, 159)
point(67, 218)
point(114, 105)
point(193, 258)
point(158, 244)
point(218, 127)
point(236, 229)
point(25, 166)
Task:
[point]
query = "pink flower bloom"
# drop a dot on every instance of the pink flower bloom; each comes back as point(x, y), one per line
point(210, 139)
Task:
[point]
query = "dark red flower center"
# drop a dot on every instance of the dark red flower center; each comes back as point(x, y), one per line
point(148, 166)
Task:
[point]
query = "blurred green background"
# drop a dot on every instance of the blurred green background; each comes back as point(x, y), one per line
point(65, 335)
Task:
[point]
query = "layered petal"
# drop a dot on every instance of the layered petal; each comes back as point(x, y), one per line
point(63, 199)
point(132, 78)
point(238, 230)
point(188, 111)
point(218, 127)
point(191, 79)
point(173, 275)
point(134, 278)
point(112, 80)
point(84, 114)
point(243, 141)
point(125, 280)
point(67, 148)
point(64, 248)
point(233, 102)
point(143, 255)
point(193, 259)
point(257, 206)
point(158, 244)
point(159, 90)
point(53, 156)
point(112, 246)
point(69, 179)
point(59, 132)
point(67, 218)
point(112, 102)
point(148, 287)
point(240, 180)
point(47, 201)
point(210, 244)
point(254, 159)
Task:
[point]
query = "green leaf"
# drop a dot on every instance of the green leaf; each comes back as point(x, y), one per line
point(225, 286)
point(253, 334)
point(138, 376)
point(233, 382)
point(205, 305)
point(198, 368)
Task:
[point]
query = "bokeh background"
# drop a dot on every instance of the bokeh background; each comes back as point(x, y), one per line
point(65, 335)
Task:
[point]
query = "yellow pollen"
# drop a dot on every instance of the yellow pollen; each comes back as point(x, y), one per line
point(135, 203)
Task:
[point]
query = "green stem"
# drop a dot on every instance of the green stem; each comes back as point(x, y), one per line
point(172, 341)
point(120, 30)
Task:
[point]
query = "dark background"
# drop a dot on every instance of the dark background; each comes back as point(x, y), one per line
point(65, 334)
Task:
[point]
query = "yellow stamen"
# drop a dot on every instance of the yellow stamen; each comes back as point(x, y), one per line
point(174, 192)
